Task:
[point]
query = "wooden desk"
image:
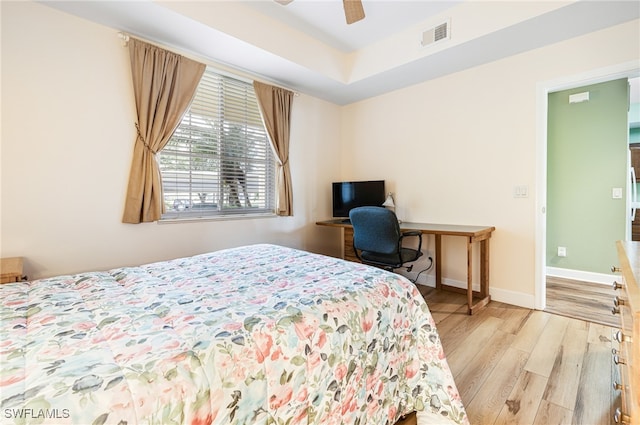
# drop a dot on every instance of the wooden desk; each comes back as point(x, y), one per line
point(10, 269)
point(473, 234)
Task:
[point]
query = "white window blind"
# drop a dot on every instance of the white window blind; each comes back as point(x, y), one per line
point(219, 161)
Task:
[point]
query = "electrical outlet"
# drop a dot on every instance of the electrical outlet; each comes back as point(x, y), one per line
point(562, 251)
point(616, 193)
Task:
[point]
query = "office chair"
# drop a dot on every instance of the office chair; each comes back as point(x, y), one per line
point(377, 239)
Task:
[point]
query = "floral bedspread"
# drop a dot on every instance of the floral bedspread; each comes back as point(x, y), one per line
point(253, 335)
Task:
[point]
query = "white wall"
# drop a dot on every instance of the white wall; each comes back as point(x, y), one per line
point(453, 149)
point(67, 135)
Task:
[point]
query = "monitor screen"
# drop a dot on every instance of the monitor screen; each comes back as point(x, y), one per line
point(348, 195)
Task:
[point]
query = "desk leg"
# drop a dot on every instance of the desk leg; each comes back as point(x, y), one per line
point(469, 274)
point(484, 296)
point(438, 261)
point(484, 271)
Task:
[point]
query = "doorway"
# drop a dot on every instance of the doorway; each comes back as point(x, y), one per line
point(544, 89)
point(587, 153)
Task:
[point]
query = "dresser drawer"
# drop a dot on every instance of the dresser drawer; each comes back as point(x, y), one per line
point(622, 357)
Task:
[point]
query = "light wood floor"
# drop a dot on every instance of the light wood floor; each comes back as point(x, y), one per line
point(520, 366)
point(581, 300)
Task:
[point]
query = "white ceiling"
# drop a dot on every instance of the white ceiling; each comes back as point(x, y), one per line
point(324, 19)
point(308, 47)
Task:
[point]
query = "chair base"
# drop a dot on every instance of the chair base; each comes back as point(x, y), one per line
point(390, 268)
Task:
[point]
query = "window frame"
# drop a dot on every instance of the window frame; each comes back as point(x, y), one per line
point(232, 125)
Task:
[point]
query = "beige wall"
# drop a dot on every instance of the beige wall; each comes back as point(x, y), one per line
point(67, 135)
point(453, 149)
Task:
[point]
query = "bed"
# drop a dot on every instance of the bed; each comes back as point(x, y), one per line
point(260, 334)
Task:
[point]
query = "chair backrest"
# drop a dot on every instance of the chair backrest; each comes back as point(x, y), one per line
point(375, 229)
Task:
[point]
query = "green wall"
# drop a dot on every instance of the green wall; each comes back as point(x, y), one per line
point(586, 158)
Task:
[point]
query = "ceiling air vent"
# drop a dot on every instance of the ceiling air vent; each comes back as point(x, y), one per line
point(434, 34)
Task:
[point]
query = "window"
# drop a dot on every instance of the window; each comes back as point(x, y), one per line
point(219, 161)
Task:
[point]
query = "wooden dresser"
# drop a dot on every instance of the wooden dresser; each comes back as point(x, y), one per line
point(10, 269)
point(627, 304)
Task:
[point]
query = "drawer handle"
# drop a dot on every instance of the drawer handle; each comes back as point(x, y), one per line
point(620, 337)
point(615, 310)
point(615, 269)
point(617, 285)
point(618, 360)
point(621, 418)
point(617, 301)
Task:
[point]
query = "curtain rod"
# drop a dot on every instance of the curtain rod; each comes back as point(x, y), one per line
point(124, 37)
point(125, 42)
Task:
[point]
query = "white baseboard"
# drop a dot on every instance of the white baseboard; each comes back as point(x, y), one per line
point(521, 299)
point(501, 295)
point(605, 279)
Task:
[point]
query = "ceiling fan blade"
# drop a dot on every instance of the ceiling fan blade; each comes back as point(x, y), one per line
point(353, 10)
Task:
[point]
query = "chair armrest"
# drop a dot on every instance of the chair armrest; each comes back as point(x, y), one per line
point(412, 233)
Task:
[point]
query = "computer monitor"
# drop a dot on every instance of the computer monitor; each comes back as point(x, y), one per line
point(349, 195)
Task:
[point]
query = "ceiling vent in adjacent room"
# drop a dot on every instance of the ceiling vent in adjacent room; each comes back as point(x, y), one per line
point(435, 34)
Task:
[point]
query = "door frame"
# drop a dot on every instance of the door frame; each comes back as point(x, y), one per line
point(625, 70)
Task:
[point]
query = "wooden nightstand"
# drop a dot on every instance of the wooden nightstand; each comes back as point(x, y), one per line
point(10, 269)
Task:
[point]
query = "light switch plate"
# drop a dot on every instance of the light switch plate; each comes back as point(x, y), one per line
point(521, 191)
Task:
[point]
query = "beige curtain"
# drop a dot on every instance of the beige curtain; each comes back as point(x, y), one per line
point(275, 106)
point(164, 84)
